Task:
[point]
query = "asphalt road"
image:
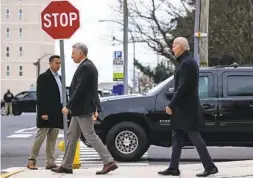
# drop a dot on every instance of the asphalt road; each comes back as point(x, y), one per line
point(18, 132)
point(16, 150)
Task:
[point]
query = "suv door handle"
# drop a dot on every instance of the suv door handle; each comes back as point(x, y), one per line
point(205, 106)
point(251, 105)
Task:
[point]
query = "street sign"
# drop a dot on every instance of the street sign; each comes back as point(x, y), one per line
point(60, 19)
point(117, 54)
point(118, 66)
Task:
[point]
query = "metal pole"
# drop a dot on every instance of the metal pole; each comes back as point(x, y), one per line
point(203, 27)
point(38, 71)
point(196, 29)
point(64, 93)
point(134, 78)
point(125, 41)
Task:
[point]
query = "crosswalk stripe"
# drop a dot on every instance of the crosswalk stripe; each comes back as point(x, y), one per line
point(89, 157)
point(19, 136)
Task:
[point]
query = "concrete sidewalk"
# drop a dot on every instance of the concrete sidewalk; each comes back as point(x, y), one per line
point(236, 169)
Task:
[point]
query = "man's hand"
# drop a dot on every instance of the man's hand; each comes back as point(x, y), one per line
point(65, 110)
point(168, 110)
point(44, 117)
point(95, 116)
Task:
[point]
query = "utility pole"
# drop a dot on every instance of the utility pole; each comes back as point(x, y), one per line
point(196, 30)
point(125, 46)
point(201, 32)
point(203, 41)
point(134, 76)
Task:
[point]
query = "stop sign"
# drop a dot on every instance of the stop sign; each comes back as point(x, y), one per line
point(60, 19)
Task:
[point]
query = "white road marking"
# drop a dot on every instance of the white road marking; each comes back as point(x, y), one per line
point(27, 129)
point(89, 157)
point(60, 135)
point(19, 136)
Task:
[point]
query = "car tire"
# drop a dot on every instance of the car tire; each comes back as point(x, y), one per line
point(122, 136)
point(82, 138)
point(2, 110)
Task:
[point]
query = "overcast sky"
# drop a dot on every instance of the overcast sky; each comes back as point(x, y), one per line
point(96, 36)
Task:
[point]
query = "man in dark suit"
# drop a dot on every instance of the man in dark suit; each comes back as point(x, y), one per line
point(49, 115)
point(185, 110)
point(84, 104)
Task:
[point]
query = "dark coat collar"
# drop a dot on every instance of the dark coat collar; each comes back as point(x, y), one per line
point(49, 73)
point(85, 60)
point(183, 56)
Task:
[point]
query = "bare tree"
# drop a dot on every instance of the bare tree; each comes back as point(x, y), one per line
point(158, 22)
point(231, 29)
point(151, 22)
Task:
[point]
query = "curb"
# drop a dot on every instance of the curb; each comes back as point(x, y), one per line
point(9, 174)
point(197, 160)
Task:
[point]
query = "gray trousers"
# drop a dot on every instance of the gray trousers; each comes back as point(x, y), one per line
point(198, 142)
point(51, 134)
point(85, 125)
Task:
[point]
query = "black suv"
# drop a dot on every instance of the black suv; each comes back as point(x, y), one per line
point(129, 124)
point(23, 102)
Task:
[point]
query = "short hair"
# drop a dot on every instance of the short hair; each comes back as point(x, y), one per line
point(51, 59)
point(82, 47)
point(182, 41)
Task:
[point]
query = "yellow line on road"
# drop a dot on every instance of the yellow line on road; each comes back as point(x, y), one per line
point(11, 173)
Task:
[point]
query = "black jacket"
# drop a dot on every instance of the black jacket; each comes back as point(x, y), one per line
point(185, 103)
point(48, 102)
point(8, 97)
point(83, 92)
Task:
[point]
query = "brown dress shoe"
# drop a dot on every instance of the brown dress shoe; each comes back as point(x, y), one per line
point(32, 164)
point(51, 166)
point(107, 168)
point(62, 170)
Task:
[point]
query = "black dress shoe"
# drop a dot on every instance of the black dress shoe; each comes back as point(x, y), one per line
point(170, 172)
point(62, 170)
point(208, 172)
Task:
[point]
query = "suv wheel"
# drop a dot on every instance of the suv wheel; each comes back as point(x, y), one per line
point(127, 141)
point(3, 110)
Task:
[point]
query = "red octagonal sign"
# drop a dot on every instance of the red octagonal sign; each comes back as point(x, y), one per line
point(60, 19)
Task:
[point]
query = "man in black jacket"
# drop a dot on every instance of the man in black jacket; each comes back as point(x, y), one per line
point(185, 110)
point(8, 97)
point(84, 103)
point(49, 115)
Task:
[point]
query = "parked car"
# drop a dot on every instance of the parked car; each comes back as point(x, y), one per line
point(23, 102)
point(129, 124)
point(104, 93)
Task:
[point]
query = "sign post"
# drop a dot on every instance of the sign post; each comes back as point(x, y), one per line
point(118, 66)
point(60, 20)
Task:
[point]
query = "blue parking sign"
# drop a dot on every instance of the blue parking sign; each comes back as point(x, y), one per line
point(117, 54)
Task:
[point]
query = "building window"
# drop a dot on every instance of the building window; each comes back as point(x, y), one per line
point(7, 34)
point(7, 13)
point(7, 51)
point(20, 14)
point(20, 70)
point(8, 70)
point(20, 49)
point(20, 33)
